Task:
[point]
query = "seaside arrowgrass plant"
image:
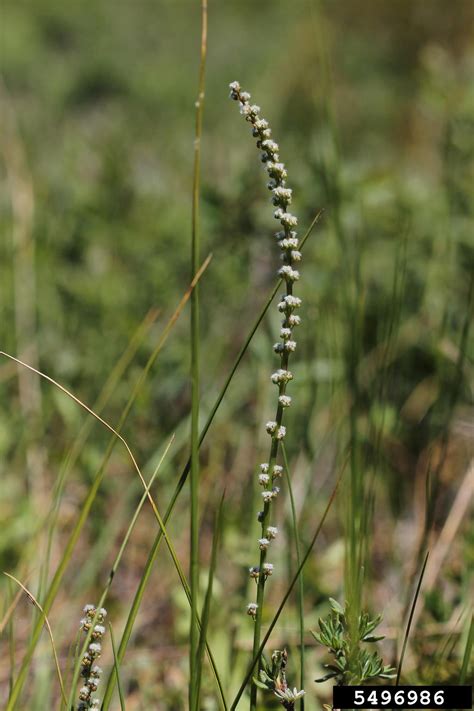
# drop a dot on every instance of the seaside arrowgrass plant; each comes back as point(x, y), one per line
point(386, 378)
point(270, 471)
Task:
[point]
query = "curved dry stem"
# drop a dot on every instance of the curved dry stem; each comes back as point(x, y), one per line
point(35, 602)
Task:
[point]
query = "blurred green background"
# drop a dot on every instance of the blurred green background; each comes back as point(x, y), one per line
point(372, 102)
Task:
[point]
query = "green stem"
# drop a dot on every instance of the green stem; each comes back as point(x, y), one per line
point(265, 517)
point(194, 479)
point(300, 579)
point(272, 624)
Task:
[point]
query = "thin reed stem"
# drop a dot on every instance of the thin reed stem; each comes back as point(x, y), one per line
point(467, 658)
point(194, 554)
point(410, 619)
point(117, 669)
point(32, 598)
point(296, 536)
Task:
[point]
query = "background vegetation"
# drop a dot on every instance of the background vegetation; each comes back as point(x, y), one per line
point(373, 105)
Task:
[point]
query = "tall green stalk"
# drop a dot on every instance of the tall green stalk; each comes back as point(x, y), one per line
point(194, 479)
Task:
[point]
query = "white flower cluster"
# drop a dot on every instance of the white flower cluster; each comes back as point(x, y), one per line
point(282, 376)
point(288, 244)
point(90, 672)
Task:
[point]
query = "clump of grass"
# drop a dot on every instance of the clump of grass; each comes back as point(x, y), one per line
point(270, 472)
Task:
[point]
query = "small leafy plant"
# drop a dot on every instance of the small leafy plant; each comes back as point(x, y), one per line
point(272, 677)
point(353, 664)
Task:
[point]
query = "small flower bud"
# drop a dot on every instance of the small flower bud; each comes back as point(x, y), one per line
point(95, 649)
point(268, 569)
point(289, 243)
point(252, 608)
point(289, 273)
point(86, 660)
point(292, 302)
point(286, 218)
point(281, 196)
point(99, 631)
point(277, 171)
point(272, 532)
point(282, 376)
point(84, 693)
point(271, 427)
point(85, 624)
point(294, 320)
point(270, 146)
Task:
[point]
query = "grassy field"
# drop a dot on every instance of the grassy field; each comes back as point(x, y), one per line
point(372, 104)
